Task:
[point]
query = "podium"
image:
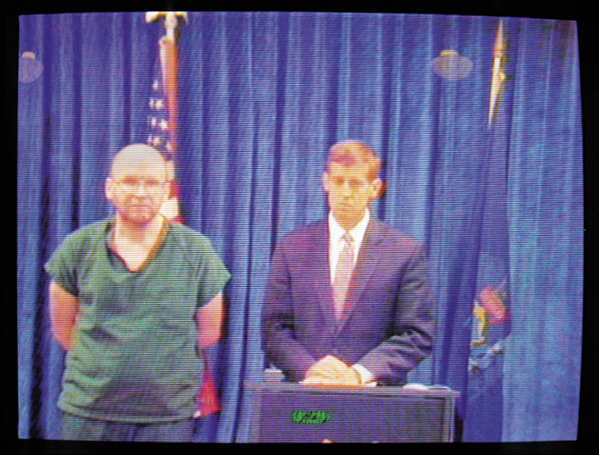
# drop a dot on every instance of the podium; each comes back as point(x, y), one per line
point(286, 412)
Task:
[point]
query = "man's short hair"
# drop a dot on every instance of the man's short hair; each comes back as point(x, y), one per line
point(352, 153)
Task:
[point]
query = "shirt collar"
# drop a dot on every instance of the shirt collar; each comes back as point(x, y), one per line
point(357, 233)
point(108, 237)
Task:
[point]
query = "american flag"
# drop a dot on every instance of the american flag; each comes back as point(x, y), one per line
point(161, 134)
point(161, 121)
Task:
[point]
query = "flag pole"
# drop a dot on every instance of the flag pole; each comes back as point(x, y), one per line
point(172, 20)
point(207, 398)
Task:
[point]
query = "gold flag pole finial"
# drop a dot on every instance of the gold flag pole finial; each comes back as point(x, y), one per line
point(172, 20)
point(499, 75)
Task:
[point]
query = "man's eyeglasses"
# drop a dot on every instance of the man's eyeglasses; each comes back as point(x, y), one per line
point(131, 184)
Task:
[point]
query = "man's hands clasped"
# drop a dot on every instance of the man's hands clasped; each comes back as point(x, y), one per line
point(331, 370)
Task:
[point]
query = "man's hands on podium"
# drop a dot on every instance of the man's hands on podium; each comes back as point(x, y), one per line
point(331, 370)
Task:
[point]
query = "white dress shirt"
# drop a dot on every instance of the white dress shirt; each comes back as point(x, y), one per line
point(336, 242)
point(336, 245)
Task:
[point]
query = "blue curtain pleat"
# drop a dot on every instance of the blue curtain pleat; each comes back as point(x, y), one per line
point(262, 96)
point(28, 222)
point(460, 178)
point(545, 216)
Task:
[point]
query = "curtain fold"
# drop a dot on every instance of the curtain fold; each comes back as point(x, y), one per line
point(262, 97)
point(545, 226)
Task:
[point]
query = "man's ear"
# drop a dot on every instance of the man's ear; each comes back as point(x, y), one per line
point(109, 188)
point(377, 187)
point(167, 191)
point(325, 182)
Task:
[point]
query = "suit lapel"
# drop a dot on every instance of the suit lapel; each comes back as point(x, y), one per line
point(366, 265)
point(322, 281)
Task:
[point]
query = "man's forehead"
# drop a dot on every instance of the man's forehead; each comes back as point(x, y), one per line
point(357, 170)
point(139, 170)
point(138, 162)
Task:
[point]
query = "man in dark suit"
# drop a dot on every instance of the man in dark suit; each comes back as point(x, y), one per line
point(348, 299)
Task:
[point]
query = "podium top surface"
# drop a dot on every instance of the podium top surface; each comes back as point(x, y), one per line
point(430, 392)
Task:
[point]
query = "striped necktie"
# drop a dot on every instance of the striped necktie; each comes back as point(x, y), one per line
point(345, 267)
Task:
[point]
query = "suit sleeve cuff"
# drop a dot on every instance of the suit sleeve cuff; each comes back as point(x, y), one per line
point(365, 375)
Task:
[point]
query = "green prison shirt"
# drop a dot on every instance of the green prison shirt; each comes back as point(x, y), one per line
point(134, 356)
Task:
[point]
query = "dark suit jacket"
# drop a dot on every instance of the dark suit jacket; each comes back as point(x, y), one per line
point(389, 322)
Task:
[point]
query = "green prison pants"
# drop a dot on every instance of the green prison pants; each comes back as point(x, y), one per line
point(82, 429)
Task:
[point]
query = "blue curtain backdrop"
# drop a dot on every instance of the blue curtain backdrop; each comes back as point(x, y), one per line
point(262, 96)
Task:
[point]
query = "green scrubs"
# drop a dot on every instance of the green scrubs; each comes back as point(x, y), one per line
point(134, 356)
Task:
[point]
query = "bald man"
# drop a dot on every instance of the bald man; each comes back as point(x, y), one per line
point(132, 299)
